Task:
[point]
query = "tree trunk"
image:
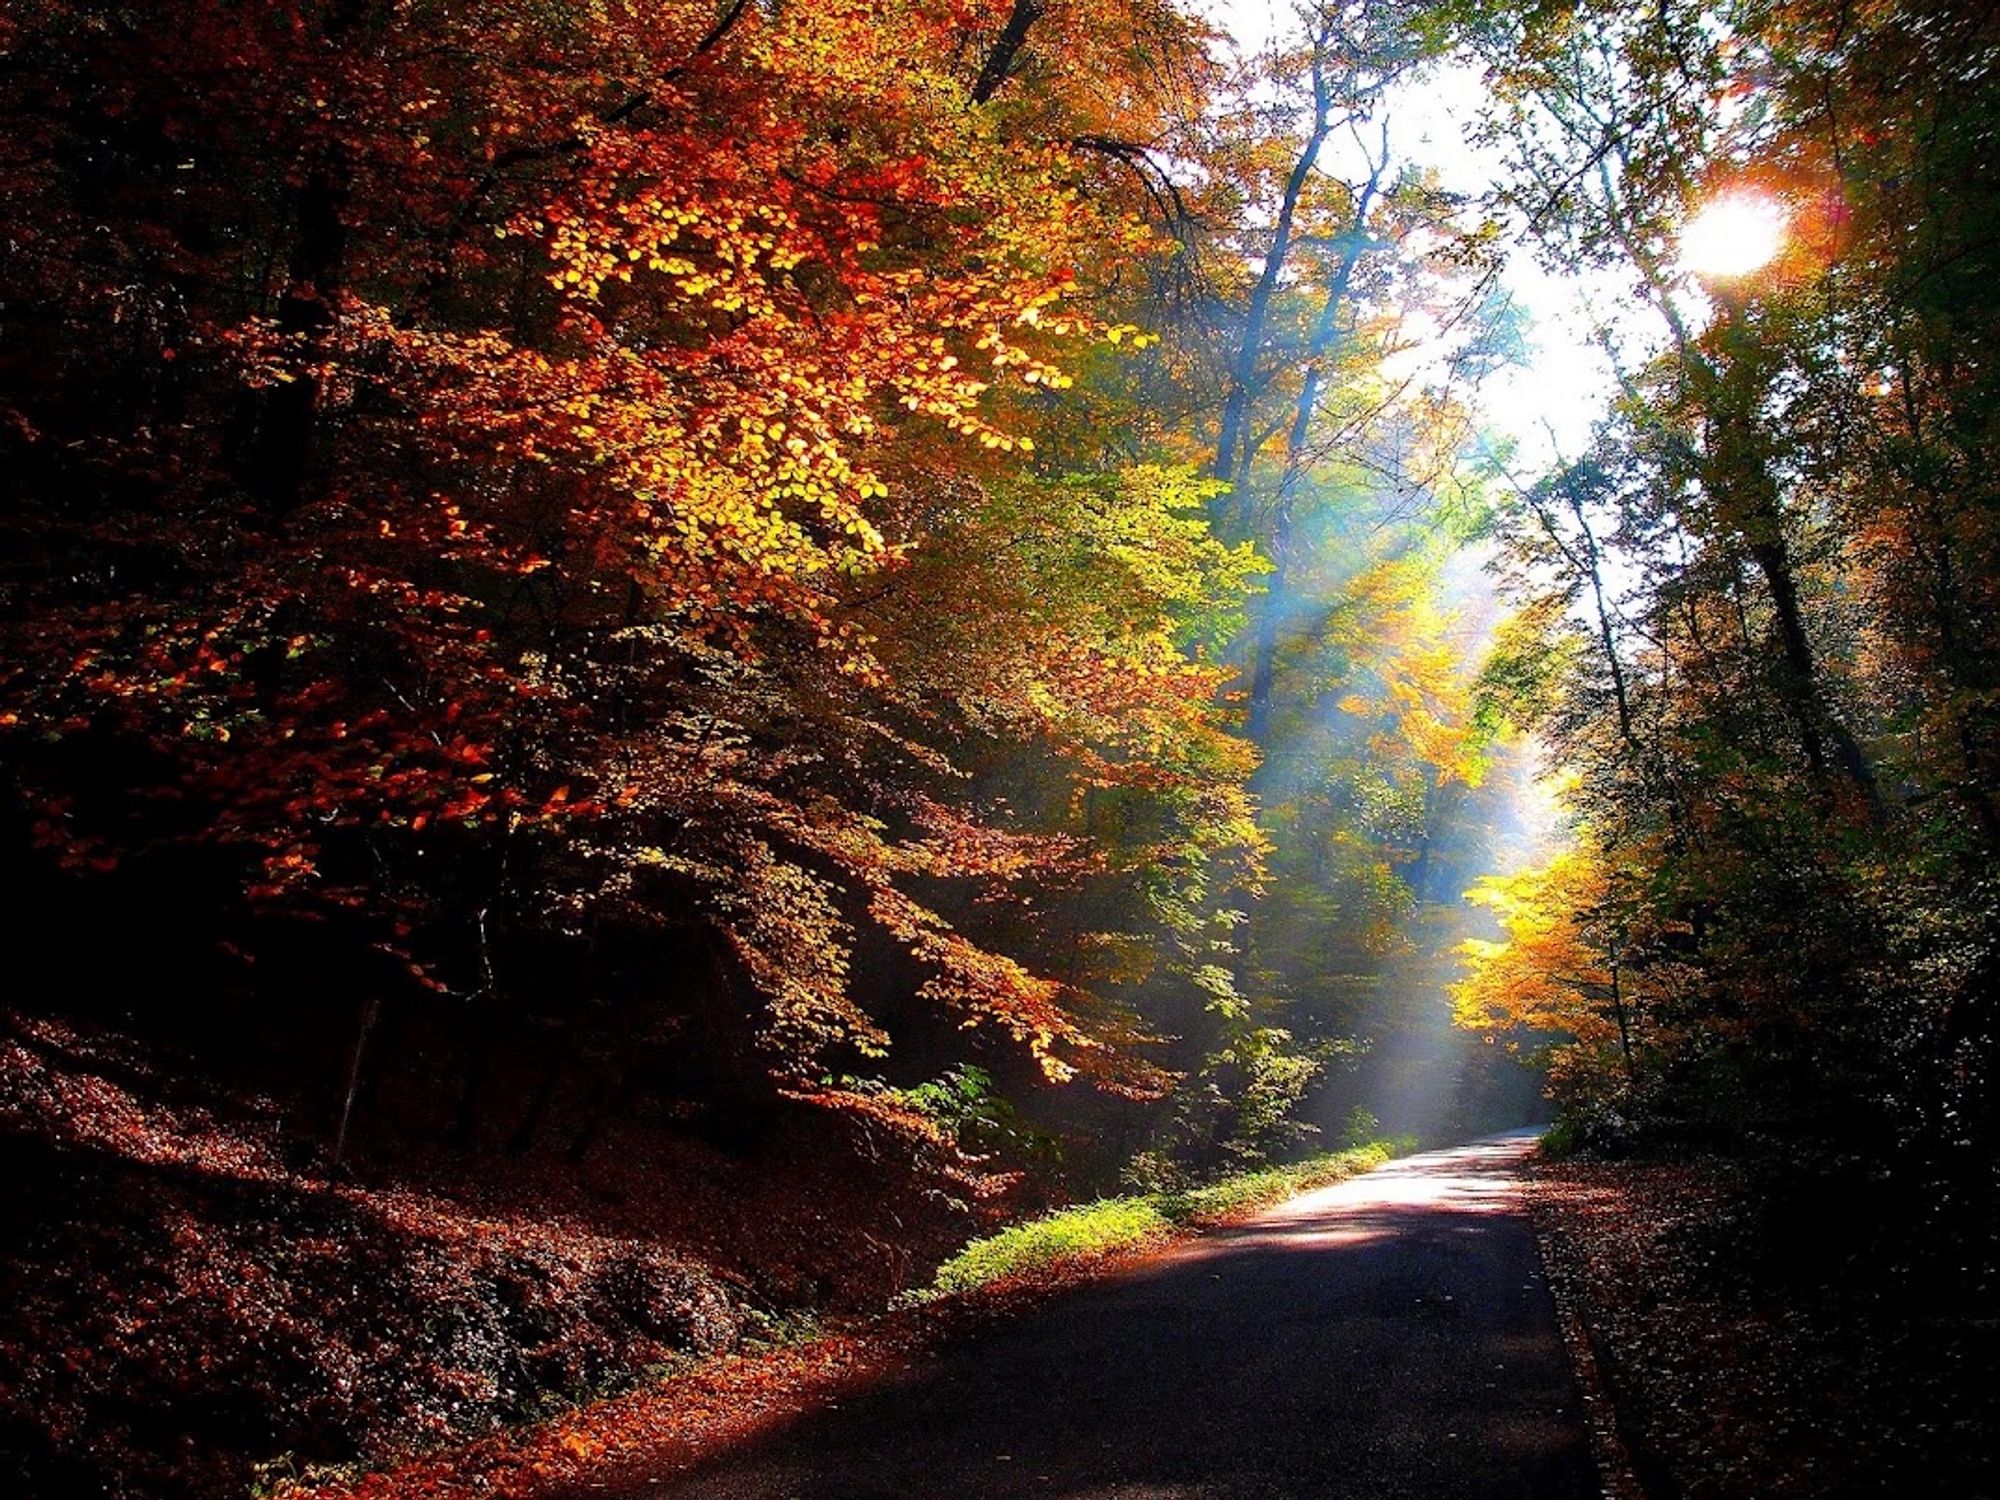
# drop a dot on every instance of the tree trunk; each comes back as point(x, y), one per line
point(1737, 475)
point(369, 1011)
point(1243, 376)
point(999, 64)
point(305, 318)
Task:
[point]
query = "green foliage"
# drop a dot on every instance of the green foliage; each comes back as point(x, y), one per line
point(1111, 1224)
point(978, 1117)
point(1090, 1229)
point(1154, 1173)
point(1566, 1138)
point(963, 1098)
point(1252, 1190)
point(1267, 1077)
point(1125, 553)
point(1362, 1126)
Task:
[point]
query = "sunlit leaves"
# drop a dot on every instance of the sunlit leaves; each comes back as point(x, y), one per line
point(618, 356)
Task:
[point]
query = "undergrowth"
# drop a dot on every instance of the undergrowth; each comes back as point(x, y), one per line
point(1092, 1229)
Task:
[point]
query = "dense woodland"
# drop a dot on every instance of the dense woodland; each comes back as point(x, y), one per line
point(912, 600)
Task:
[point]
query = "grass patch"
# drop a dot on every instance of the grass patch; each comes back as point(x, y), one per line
point(1088, 1229)
point(1093, 1229)
point(1249, 1190)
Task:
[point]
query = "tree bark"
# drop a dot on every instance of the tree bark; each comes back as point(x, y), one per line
point(1006, 50)
point(1737, 475)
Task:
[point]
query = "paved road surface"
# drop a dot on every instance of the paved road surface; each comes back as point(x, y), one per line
point(1387, 1337)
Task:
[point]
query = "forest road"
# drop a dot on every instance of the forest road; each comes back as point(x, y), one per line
point(1391, 1336)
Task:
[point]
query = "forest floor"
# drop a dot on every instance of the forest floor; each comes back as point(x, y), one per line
point(190, 1304)
point(1733, 1376)
point(713, 1405)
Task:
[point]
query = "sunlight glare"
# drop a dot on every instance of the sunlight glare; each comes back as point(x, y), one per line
point(1734, 235)
point(1551, 407)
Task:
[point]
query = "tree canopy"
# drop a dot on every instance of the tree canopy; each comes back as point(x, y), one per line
point(790, 550)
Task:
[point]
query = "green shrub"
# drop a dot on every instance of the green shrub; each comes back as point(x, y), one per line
point(1088, 1229)
point(1093, 1229)
point(1362, 1126)
point(1562, 1139)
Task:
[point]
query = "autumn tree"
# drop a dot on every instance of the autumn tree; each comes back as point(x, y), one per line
point(476, 472)
point(1727, 576)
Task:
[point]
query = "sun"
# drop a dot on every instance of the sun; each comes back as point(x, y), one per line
point(1734, 235)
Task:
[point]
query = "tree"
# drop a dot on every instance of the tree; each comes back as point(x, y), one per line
point(1560, 969)
point(1740, 708)
point(469, 463)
